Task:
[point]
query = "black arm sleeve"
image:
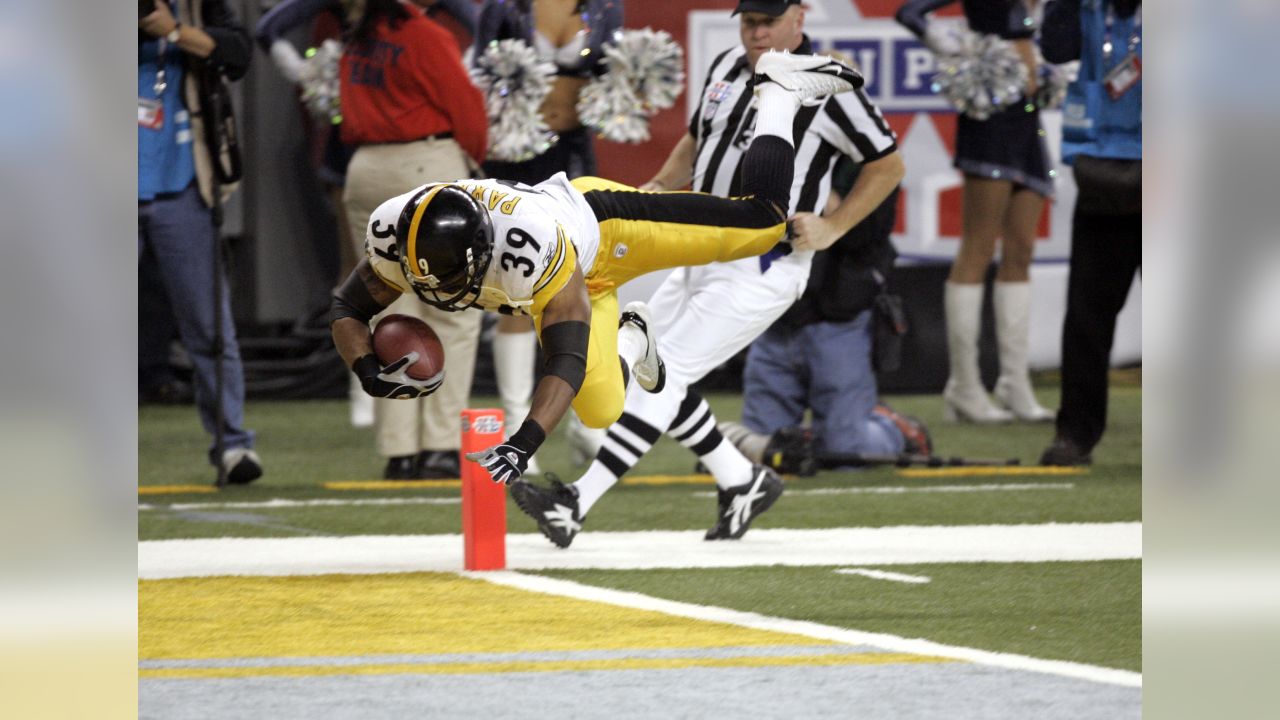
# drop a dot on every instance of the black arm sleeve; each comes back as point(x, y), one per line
point(565, 346)
point(1060, 35)
point(233, 49)
point(352, 299)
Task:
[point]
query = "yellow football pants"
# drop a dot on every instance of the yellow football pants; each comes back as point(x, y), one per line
point(641, 232)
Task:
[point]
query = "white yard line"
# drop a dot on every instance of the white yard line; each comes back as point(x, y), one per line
point(279, 503)
point(757, 621)
point(884, 575)
point(898, 545)
point(902, 489)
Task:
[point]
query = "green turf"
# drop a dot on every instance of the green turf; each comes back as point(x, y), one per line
point(304, 444)
point(1083, 612)
point(1087, 612)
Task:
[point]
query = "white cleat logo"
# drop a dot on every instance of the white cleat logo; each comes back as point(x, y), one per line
point(740, 509)
point(562, 517)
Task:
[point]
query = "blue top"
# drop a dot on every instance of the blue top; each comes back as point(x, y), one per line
point(1093, 123)
point(165, 161)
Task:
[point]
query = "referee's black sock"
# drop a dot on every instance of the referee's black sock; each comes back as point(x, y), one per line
point(767, 169)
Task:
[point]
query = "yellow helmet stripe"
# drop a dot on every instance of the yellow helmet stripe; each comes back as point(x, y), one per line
point(413, 227)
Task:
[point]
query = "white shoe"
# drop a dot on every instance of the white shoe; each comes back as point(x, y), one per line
point(241, 465)
point(361, 405)
point(649, 370)
point(1020, 399)
point(1012, 303)
point(965, 398)
point(969, 403)
point(584, 442)
point(533, 469)
point(808, 76)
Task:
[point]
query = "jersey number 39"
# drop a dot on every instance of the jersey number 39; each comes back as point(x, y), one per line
point(519, 239)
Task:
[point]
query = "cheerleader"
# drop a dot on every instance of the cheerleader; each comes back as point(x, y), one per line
point(1006, 182)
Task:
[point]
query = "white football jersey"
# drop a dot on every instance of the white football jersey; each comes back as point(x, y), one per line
point(540, 233)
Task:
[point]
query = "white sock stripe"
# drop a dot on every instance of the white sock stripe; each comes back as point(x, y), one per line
point(620, 452)
point(620, 433)
point(700, 433)
point(699, 415)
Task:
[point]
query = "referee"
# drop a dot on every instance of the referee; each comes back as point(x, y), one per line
point(705, 315)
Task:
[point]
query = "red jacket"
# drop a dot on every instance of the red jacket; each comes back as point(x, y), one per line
point(409, 83)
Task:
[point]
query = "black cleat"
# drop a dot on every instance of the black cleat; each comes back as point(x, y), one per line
point(1065, 453)
point(741, 504)
point(555, 509)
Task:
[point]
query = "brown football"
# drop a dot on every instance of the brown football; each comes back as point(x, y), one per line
point(398, 335)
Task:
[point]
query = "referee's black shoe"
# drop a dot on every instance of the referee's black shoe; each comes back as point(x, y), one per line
point(741, 504)
point(808, 76)
point(555, 509)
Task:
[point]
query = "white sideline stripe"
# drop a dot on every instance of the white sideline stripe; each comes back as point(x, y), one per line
point(884, 575)
point(757, 621)
point(897, 545)
point(902, 489)
point(281, 503)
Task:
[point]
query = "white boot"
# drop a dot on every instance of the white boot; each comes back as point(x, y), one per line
point(1013, 327)
point(513, 358)
point(584, 442)
point(361, 404)
point(964, 397)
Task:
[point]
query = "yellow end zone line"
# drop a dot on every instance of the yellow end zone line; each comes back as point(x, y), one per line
point(422, 484)
point(484, 668)
point(389, 484)
point(669, 480)
point(175, 489)
point(980, 470)
point(638, 480)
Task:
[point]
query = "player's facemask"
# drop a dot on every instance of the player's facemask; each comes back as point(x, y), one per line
point(445, 239)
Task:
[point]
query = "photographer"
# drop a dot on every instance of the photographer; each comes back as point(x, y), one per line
point(182, 49)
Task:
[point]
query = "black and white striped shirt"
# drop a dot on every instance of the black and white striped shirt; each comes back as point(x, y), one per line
point(845, 124)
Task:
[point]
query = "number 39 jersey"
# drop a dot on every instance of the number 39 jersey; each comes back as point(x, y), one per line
point(540, 233)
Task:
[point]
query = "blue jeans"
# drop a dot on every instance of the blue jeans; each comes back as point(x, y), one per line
point(825, 367)
point(178, 231)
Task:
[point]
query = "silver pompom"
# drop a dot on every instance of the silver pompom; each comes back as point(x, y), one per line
point(644, 73)
point(320, 81)
point(985, 76)
point(514, 83)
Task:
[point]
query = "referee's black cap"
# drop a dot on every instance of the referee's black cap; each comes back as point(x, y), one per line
point(772, 8)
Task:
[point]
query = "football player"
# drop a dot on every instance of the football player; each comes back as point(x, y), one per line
point(558, 251)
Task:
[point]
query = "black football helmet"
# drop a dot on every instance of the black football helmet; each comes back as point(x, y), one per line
point(445, 239)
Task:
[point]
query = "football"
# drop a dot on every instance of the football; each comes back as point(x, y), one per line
point(398, 335)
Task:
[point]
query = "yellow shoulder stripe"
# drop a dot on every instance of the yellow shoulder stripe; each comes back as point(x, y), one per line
point(557, 274)
point(557, 260)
